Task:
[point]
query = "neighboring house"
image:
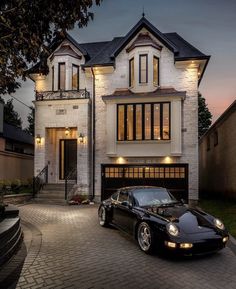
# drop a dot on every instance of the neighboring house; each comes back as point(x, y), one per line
point(123, 112)
point(16, 152)
point(217, 150)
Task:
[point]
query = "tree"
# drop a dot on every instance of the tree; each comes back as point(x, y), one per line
point(29, 28)
point(30, 118)
point(10, 115)
point(204, 116)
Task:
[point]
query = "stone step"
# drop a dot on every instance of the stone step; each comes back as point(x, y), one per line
point(52, 193)
point(57, 187)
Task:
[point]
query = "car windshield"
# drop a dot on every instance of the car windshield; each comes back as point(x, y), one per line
point(153, 197)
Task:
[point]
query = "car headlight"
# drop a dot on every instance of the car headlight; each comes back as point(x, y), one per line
point(172, 229)
point(219, 224)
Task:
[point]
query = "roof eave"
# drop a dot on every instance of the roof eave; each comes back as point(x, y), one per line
point(203, 57)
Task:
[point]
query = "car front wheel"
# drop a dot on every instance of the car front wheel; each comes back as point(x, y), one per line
point(103, 217)
point(145, 238)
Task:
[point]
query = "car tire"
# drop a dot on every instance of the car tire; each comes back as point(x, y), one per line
point(145, 238)
point(102, 215)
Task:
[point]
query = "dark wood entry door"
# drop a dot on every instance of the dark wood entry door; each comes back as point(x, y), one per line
point(68, 157)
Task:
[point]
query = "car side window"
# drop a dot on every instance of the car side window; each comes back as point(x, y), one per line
point(115, 196)
point(123, 196)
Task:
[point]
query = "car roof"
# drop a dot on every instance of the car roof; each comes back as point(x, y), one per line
point(132, 188)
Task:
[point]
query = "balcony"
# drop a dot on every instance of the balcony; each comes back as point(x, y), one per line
point(62, 94)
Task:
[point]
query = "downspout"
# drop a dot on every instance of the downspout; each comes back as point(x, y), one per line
point(93, 137)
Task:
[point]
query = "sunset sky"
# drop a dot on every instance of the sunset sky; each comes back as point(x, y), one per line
point(209, 25)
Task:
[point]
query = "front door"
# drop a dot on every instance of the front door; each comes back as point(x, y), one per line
point(67, 157)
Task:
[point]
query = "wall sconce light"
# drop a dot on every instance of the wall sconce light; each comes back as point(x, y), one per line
point(38, 139)
point(67, 131)
point(81, 138)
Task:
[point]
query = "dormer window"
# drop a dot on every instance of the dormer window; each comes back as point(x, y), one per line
point(75, 77)
point(61, 76)
point(131, 72)
point(143, 68)
point(155, 71)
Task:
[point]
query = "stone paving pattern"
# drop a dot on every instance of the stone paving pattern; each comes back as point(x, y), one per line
point(68, 249)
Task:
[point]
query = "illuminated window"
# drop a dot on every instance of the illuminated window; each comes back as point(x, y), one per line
point(143, 68)
point(75, 77)
point(61, 76)
point(121, 122)
point(166, 121)
point(147, 121)
point(130, 122)
point(131, 72)
point(155, 71)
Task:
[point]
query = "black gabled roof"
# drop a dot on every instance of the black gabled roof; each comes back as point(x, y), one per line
point(103, 57)
point(143, 22)
point(104, 53)
point(76, 44)
point(185, 49)
point(94, 48)
point(16, 134)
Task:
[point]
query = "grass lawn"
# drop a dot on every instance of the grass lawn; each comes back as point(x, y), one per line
point(224, 210)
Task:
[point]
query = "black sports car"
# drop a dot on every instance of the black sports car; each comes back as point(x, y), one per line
point(155, 218)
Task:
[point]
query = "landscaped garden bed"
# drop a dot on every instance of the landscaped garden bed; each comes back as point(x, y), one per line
point(223, 209)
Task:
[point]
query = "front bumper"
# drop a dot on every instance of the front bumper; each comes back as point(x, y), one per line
point(196, 247)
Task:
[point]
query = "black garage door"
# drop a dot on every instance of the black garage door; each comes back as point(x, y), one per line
point(171, 176)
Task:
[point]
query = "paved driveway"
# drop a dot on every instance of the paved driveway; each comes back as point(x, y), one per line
point(68, 249)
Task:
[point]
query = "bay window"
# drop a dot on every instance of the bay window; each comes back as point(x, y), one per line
point(143, 68)
point(146, 121)
point(131, 72)
point(75, 77)
point(61, 76)
point(155, 71)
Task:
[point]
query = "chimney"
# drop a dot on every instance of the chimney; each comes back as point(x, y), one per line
point(1, 115)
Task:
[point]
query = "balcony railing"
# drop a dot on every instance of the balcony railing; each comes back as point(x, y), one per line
point(62, 94)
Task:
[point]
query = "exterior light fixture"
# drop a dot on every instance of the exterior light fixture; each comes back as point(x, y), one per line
point(81, 138)
point(67, 131)
point(38, 139)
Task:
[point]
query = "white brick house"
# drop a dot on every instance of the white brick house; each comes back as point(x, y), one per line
point(123, 112)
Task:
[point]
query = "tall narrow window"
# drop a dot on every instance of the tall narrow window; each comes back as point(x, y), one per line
point(53, 78)
point(121, 122)
point(61, 76)
point(155, 71)
point(166, 121)
point(131, 72)
point(130, 122)
point(147, 121)
point(157, 126)
point(75, 77)
point(139, 123)
point(143, 68)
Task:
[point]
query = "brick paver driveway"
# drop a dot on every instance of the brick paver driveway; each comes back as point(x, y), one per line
point(68, 249)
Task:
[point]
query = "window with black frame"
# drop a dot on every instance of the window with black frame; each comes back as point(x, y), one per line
point(143, 121)
point(143, 68)
point(61, 76)
point(75, 77)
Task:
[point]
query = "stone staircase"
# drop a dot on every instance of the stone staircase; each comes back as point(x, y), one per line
point(52, 194)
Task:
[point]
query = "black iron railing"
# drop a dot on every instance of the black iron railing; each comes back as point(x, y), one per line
point(40, 180)
point(70, 181)
point(62, 94)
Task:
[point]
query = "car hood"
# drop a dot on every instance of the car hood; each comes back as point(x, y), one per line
point(190, 221)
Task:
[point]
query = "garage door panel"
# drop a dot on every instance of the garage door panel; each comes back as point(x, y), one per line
point(172, 176)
